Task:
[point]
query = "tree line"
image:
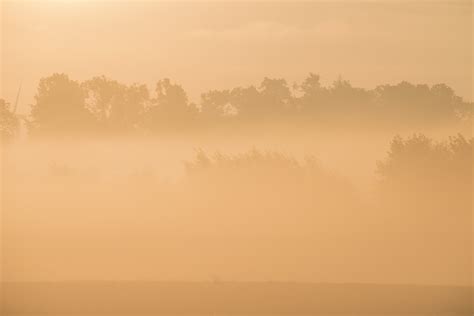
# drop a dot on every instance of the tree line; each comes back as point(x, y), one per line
point(103, 105)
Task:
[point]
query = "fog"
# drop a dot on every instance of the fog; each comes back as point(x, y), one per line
point(244, 158)
point(138, 210)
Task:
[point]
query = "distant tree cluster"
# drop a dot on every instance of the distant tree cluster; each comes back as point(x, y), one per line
point(419, 179)
point(103, 105)
point(422, 174)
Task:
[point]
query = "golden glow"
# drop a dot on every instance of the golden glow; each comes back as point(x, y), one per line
point(236, 158)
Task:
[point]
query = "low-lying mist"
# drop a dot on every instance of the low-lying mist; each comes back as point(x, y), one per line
point(236, 158)
point(340, 209)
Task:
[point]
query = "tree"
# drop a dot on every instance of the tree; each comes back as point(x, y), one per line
point(410, 105)
point(422, 174)
point(170, 108)
point(276, 96)
point(102, 94)
point(314, 96)
point(247, 101)
point(9, 122)
point(116, 107)
point(60, 107)
point(215, 105)
point(311, 85)
point(128, 114)
point(348, 104)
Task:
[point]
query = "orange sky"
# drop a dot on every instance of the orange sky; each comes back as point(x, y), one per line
point(214, 45)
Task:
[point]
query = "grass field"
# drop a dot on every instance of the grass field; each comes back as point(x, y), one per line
point(231, 298)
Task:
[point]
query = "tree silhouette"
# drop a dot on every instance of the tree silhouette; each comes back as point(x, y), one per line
point(116, 107)
point(170, 108)
point(102, 95)
point(409, 104)
point(60, 107)
point(215, 105)
point(9, 122)
point(276, 96)
point(102, 104)
point(428, 175)
point(248, 103)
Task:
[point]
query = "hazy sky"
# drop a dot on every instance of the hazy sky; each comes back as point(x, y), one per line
point(213, 45)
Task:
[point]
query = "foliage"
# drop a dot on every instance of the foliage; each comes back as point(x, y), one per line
point(102, 105)
point(9, 122)
point(60, 107)
point(269, 177)
point(428, 175)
